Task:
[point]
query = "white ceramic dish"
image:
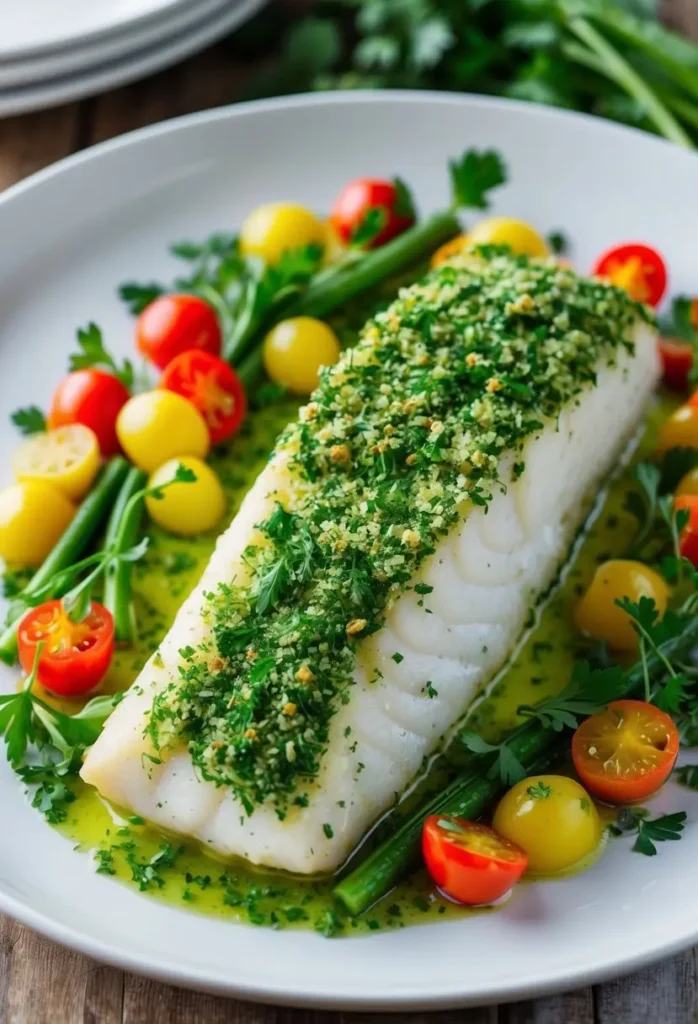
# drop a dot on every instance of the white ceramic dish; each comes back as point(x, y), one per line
point(84, 57)
point(73, 233)
point(128, 65)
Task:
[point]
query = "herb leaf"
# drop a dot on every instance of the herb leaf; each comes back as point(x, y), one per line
point(665, 828)
point(93, 353)
point(29, 420)
point(474, 175)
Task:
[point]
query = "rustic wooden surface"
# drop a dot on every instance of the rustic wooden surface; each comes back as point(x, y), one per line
point(42, 983)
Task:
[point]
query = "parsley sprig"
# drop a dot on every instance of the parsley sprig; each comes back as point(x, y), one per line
point(588, 691)
point(92, 353)
point(29, 420)
point(648, 831)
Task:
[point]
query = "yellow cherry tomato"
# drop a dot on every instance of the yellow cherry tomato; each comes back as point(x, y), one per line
point(67, 457)
point(161, 425)
point(272, 229)
point(33, 515)
point(451, 248)
point(519, 236)
point(680, 430)
point(688, 484)
point(553, 819)
point(597, 613)
point(295, 350)
point(187, 508)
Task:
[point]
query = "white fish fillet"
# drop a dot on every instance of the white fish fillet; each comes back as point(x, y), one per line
point(486, 576)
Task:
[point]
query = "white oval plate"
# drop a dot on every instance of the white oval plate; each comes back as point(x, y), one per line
point(71, 234)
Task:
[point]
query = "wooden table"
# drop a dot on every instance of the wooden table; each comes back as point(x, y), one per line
point(42, 983)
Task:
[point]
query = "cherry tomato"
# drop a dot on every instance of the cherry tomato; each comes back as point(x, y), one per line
point(680, 430)
point(597, 613)
point(187, 509)
point(93, 398)
point(33, 515)
point(470, 862)
point(76, 655)
point(212, 386)
point(160, 425)
point(553, 819)
point(275, 228)
point(688, 484)
point(363, 194)
point(453, 247)
point(521, 238)
point(637, 268)
point(688, 541)
point(677, 361)
point(176, 323)
point(67, 457)
point(625, 753)
point(295, 350)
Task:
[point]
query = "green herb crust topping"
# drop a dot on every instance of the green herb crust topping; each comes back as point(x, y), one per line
point(401, 437)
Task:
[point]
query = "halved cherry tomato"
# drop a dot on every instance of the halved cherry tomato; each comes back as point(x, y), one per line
point(76, 655)
point(470, 862)
point(677, 361)
point(67, 457)
point(625, 753)
point(212, 386)
point(637, 268)
point(175, 323)
point(93, 398)
point(688, 541)
point(363, 194)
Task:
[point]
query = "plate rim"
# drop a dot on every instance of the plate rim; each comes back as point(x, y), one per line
point(192, 976)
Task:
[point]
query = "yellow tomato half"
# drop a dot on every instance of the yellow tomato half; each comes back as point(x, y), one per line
point(295, 350)
point(519, 236)
point(33, 515)
point(597, 613)
point(274, 228)
point(67, 457)
point(553, 819)
point(680, 430)
point(187, 508)
point(161, 425)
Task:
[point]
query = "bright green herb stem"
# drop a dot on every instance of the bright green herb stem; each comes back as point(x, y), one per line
point(87, 521)
point(330, 292)
point(470, 795)
point(117, 581)
point(617, 68)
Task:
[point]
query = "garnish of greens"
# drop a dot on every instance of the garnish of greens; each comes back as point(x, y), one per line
point(648, 831)
point(333, 560)
point(538, 744)
point(250, 297)
point(608, 57)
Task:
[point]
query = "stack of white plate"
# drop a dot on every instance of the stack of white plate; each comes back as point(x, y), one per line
point(54, 51)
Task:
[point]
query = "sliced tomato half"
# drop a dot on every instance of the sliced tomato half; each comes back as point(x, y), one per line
point(470, 862)
point(75, 656)
point(626, 752)
point(637, 268)
point(212, 386)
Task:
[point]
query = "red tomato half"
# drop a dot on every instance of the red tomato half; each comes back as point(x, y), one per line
point(677, 360)
point(637, 268)
point(471, 863)
point(627, 752)
point(76, 655)
point(361, 195)
point(688, 542)
point(172, 324)
point(212, 386)
point(93, 398)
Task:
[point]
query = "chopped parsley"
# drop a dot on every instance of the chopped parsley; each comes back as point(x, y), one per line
point(539, 791)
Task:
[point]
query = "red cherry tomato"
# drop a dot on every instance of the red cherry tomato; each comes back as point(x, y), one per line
point(75, 656)
point(361, 195)
point(470, 862)
point(93, 398)
point(172, 324)
point(627, 752)
point(677, 361)
point(212, 386)
point(688, 541)
point(637, 268)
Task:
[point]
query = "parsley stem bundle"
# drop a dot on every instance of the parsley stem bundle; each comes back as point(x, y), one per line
point(117, 580)
point(532, 744)
point(88, 520)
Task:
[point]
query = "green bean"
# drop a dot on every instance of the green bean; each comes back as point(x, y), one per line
point(117, 581)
